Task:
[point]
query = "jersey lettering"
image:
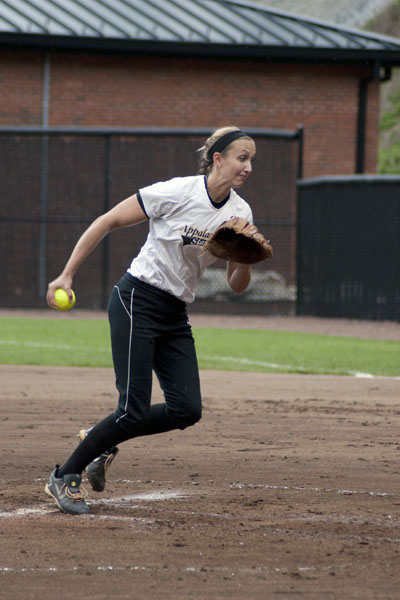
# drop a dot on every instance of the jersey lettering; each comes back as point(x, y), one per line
point(193, 236)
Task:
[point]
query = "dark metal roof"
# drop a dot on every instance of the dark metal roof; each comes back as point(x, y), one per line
point(186, 26)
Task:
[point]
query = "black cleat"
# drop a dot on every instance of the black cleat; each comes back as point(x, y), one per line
point(96, 470)
point(67, 493)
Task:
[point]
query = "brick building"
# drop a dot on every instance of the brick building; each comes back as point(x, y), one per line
point(196, 64)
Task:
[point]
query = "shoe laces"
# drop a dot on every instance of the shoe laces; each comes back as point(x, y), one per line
point(80, 494)
point(106, 458)
point(109, 457)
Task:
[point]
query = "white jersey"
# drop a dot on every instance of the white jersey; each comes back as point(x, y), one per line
point(182, 218)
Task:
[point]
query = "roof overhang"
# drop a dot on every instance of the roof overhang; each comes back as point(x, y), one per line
point(387, 57)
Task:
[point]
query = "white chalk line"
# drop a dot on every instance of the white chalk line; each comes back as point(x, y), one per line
point(300, 488)
point(53, 346)
point(144, 497)
point(165, 568)
point(249, 362)
point(118, 502)
point(291, 368)
point(25, 512)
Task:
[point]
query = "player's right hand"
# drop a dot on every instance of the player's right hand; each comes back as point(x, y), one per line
point(65, 283)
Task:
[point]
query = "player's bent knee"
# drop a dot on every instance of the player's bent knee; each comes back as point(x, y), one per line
point(188, 420)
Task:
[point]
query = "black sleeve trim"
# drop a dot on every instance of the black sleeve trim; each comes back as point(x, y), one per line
point(139, 197)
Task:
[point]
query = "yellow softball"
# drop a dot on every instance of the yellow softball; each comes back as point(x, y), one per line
point(62, 300)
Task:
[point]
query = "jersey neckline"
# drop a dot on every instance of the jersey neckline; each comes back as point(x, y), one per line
point(217, 205)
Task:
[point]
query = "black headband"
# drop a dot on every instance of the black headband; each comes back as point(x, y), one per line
point(224, 141)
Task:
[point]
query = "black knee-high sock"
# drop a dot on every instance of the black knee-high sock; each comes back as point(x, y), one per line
point(99, 439)
point(108, 433)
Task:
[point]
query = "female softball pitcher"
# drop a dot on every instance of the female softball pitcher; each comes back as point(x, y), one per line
point(147, 309)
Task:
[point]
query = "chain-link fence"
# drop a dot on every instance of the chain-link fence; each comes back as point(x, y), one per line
point(54, 182)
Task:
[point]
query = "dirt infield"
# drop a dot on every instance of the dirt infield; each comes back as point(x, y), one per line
point(288, 487)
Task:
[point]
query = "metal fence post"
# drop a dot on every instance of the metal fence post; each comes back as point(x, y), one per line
point(43, 217)
point(300, 136)
point(44, 182)
point(106, 207)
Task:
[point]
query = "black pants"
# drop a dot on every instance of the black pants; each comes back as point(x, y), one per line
point(149, 331)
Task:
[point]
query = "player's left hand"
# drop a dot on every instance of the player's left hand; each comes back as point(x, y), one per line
point(239, 241)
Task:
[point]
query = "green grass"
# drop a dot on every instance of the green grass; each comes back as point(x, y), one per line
point(286, 352)
point(65, 342)
point(54, 342)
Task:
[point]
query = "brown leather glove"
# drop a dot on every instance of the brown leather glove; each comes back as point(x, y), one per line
point(239, 241)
